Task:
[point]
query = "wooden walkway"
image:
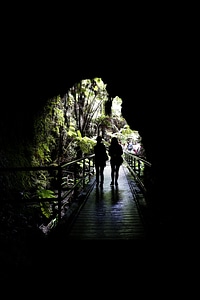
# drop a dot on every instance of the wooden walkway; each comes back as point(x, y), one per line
point(110, 213)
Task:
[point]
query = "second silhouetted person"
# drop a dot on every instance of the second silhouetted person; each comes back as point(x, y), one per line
point(115, 152)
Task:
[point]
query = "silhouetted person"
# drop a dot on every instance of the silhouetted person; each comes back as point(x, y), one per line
point(115, 152)
point(100, 160)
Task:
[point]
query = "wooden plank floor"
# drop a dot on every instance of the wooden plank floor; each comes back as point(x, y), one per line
point(110, 213)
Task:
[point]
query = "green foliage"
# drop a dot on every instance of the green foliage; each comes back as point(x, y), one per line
point(43, 193)
point(71, 132)
point(89, 97)
point(86, 144)
point(46, 209)
point(126, 130)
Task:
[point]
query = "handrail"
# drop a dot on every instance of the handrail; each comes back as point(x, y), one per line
point(70, 179)
point(137, 166)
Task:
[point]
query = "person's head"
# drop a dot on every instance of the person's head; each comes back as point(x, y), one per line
point(99, 139)
point(114, 140)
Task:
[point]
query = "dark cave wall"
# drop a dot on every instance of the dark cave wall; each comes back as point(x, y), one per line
point(146, 60)
point(147, 76)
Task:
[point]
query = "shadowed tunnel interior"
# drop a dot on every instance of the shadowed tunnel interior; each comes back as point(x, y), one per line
point(143, 67)
point(143, 56)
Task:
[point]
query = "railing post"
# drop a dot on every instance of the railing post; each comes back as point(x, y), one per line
point(134, 164)
point(139, 167)
point(75, 179)
point(83, 172)
point(59, 191)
